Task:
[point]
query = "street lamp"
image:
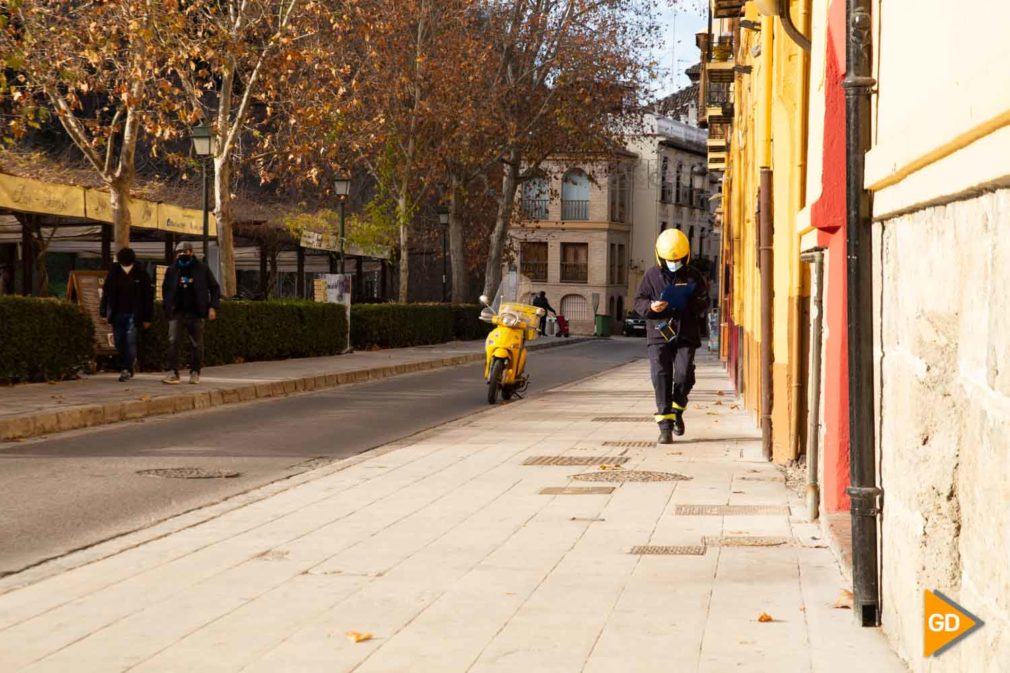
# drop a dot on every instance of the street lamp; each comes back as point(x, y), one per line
point(342, 187)
point(443, 220)
point(203, 146)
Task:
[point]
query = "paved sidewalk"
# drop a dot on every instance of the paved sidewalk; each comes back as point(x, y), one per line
point(38, 409)
point(444, 549)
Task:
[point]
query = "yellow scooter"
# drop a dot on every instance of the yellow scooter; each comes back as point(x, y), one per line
point(505, 348)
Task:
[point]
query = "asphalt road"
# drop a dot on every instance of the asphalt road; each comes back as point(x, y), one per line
point(74, 490)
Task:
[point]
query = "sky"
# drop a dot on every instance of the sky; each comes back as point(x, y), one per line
point(679, 21)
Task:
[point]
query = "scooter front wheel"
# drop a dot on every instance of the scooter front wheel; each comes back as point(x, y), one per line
point(494, 379)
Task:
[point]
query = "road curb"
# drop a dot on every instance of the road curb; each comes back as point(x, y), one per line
point(47, 422)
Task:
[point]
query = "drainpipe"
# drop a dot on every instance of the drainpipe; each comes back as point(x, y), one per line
point(863, 491)
point(795, 34)
point(765, 229)
point(815, 259)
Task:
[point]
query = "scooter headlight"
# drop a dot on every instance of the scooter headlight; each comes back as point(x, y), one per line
point(510, 320)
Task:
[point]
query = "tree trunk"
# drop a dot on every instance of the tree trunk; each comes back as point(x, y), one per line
point(402, 217)
point(119, 200)
point(225, 235)
point(457, 245)
point(510, 183)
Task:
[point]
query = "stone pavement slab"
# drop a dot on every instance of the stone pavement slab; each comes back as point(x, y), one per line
point(38, 409)
point(445, 550)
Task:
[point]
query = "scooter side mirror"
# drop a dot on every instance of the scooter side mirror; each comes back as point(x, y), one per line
point(484, 300)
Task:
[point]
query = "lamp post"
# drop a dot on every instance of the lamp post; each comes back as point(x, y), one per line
point(341, 187)
point(443, 220)
point(203, 146)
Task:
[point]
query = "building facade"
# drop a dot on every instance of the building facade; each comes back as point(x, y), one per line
point(574, 236)
point(938, 199)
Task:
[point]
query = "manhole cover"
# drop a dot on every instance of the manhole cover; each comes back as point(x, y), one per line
point(577, 490)
point(188, 473)
point(630, 445)
point(575, 460)
point(728, 510)
point(746, 541)
point(630, 475)
point(624, 419)
point(669, 550)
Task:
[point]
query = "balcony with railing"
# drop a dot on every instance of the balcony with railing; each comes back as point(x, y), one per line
point(536, 209)
point(574, 210)
point(535, 270)
point(683, 195)
point(666, 192)
point(574, 272)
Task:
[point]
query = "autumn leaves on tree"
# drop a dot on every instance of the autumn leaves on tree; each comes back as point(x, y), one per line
point(424, 101)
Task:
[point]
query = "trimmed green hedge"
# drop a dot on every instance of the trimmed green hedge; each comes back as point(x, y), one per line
point(248, 331)
point(403, 325)
point(43, 339)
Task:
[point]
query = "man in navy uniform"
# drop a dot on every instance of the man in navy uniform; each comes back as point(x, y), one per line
point(673, 298)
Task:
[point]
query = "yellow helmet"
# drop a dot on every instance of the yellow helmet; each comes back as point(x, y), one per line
point(672, 245)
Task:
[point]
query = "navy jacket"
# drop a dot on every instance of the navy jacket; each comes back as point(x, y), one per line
point(208, 292)
point(143, 296)
point(692, 322)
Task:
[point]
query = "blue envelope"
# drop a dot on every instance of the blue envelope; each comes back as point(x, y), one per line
point(678, 294)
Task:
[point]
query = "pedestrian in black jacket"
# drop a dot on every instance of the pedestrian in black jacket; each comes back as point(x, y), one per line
point(191, 295)
point(127, 300)
point(673, 332)
point(540, 301)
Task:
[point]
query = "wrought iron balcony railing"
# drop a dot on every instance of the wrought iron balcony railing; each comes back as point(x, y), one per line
point(574, 210)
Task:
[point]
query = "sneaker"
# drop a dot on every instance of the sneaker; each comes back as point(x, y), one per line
point(171, 379)
point(125, 376)
point(678, 424)
point(194, 377)
point(665, 435)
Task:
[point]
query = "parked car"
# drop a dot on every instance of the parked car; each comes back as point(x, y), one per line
point(634, 325)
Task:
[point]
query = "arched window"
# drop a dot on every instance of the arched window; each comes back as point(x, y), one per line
point(536, 198)
point(575, 308)
point(575, 195)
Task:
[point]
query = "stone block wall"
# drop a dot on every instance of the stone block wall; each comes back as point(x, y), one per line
point(944, 424)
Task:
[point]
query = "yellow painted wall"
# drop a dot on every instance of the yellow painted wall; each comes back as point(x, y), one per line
point(788, 157)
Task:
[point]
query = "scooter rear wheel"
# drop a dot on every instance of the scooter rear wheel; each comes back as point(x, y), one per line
point(494, 379)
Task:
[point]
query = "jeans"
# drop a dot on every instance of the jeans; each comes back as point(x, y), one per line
point(672, 369)
point(194, 330)
point(124, 332)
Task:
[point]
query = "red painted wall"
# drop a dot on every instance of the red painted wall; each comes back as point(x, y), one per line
point(828, 216)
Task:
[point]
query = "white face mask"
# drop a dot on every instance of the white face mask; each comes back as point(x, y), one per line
point(674, 266)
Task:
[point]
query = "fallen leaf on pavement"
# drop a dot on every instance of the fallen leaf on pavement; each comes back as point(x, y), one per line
point(718, 403)
point(720, 393)
point(765, 617)
point(358, 636)
point(145, 398)
point(605, 466)
point(675, 453)
point(712, 413)
point(844, 601)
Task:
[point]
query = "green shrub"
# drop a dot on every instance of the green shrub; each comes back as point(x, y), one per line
point(43, 339)
point(404, 325)
point(248, 331)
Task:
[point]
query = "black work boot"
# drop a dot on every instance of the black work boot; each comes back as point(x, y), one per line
point(665, 434)
point(678, 424)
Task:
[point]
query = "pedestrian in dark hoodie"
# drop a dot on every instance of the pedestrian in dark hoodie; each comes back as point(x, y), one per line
point(673, 332)
point(191, 295)
point(127, 301)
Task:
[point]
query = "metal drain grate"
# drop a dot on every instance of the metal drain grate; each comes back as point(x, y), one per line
point(188, 473)
point(728, 510)
point(630, 445)
point(577, 490)
point(669, 550)
point(630, 475)
point(575, 460)
point(624, 419)
point(747, 541)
